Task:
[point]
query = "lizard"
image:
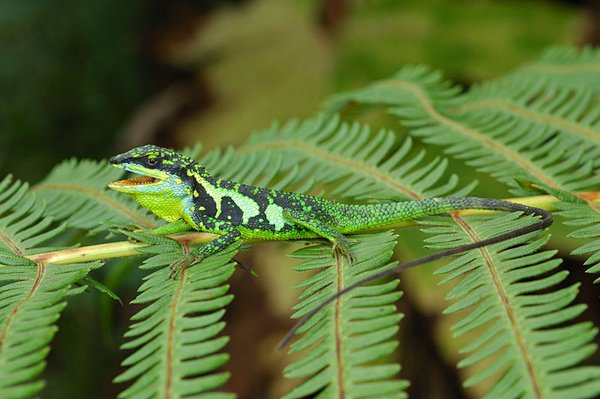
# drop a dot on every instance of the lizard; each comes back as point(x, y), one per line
point(181, 191)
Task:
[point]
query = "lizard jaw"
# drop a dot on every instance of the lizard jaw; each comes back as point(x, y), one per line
point(147, 178)
point(134, 181)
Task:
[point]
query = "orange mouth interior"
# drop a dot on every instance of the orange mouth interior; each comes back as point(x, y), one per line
point(136, 181)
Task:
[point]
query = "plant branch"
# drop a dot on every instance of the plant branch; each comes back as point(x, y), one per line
point(123, 249)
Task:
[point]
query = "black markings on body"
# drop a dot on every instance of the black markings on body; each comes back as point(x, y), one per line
point(260, 196)
point(203, 202)
point(231, 212)
point(257, 194)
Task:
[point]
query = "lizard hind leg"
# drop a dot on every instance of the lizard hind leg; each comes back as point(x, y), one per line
point(340, 242)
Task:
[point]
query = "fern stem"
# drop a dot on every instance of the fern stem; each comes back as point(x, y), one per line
point(123, 249)
point(339, 351)
point(112, 250)
point(508, 310)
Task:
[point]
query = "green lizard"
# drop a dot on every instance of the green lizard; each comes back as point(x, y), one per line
point(181, 191)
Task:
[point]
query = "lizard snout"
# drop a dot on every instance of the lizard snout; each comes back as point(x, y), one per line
point(117, 159)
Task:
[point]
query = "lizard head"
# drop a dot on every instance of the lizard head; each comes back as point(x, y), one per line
point(160, 170)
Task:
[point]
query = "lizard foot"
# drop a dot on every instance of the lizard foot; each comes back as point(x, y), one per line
point(132, 239)
point(126, 229)
point(183, 263)
point(343, 249)
point(123, 227)
point(245, 268)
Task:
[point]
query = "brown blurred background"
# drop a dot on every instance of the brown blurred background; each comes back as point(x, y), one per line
point(88, 79)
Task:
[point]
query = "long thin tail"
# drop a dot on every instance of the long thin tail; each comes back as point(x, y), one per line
point(355, 218)
point(459, 203)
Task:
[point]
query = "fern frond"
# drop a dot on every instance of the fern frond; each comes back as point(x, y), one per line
point(505, 146)
point(31, 299)
point(342, 342)
point(527, 341)
point(23, 224)
point(339, 154)
point(567, 67)
point(563, 99)
point(176, 336)
point(76, 192)
point(518, 100)
point(31, 295)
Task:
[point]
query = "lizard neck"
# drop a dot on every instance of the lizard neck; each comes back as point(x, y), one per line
point(167, 201)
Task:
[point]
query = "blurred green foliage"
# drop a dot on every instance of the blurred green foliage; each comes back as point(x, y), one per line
point(273, 59)
point(70, 74)
point(469, 40)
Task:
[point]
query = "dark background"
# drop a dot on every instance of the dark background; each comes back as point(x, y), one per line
point(92, 78)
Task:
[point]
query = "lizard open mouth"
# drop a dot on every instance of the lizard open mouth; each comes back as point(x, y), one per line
point(145, 178)
point(135, 181)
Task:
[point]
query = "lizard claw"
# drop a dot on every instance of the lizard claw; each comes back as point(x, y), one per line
point(133, 240)
point(246, 268)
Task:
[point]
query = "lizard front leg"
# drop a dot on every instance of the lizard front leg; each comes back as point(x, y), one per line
point(228, 234)
point(340, 242)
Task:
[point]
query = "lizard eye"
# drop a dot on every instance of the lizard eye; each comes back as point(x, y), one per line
point(151, 161)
